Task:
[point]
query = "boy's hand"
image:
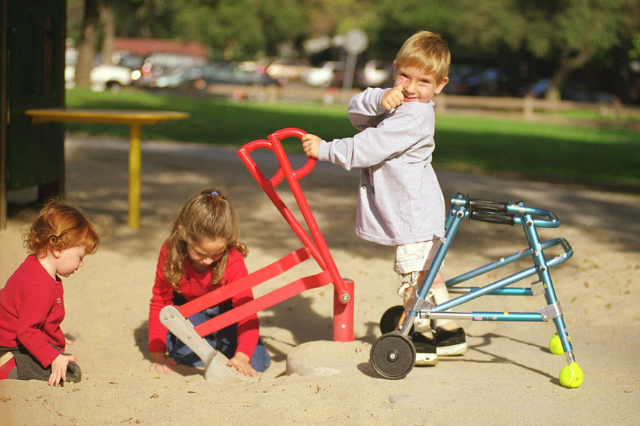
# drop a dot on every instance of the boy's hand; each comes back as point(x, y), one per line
point(59, 369)
point(242, 363)
point(311, 145)
point(392, 98)
point(161, 364)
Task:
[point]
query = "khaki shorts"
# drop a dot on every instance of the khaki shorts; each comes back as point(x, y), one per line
point(415, 257)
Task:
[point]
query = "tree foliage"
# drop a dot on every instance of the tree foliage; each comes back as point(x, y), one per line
point(566, 34)
point(240, 29)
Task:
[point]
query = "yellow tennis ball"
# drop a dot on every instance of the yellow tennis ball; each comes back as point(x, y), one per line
point(571, 376)
point(555, 345)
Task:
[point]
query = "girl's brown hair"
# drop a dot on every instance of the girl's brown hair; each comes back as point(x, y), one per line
point(209, 215)
point(60, 226)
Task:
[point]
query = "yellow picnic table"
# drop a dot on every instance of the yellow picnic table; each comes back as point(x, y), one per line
point(135, 120)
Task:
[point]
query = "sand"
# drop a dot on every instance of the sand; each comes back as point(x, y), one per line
point(507, 377)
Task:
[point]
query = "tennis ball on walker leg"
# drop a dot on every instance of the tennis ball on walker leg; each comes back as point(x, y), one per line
point(571, 376)
point(555, 345)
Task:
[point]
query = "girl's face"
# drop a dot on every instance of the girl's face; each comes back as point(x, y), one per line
point(205, 253)
point(68, 260)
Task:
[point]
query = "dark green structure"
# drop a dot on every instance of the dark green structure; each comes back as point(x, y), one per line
point(32, 76)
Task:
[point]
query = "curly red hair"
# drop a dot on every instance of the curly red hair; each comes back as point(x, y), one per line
point(60, 225)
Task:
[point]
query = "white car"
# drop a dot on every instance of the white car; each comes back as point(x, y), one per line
point(111, 77)
point(287, 70)
point(325, 75)
point(377, 73)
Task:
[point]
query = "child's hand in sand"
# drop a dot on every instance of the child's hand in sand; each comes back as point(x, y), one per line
point(161, 364)
point(59, 369)
point(311, 145)
point(242, 363)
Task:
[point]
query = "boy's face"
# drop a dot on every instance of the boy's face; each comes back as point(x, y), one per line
point(416, 85)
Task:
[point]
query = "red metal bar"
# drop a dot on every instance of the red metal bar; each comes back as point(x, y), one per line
point(343, 315)
point(261, 275)
point(268, 300)
point(292, 178)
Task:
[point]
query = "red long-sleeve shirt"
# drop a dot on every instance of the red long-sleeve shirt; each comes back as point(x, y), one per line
point(194, 285)
point(31, 310)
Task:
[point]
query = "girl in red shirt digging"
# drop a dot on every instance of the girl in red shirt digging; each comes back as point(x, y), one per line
point(201, 254)
point(31, 303)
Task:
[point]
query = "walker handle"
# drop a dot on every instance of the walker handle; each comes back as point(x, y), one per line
point(504, 213)
point(492, 217)
point(488, 206)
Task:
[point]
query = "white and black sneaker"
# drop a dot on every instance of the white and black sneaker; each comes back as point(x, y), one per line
point(426, 352)
point(450, 343)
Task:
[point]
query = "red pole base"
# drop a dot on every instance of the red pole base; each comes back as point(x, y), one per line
point(343, 314)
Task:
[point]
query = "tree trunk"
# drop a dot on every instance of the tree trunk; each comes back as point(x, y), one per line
point(109, 31)
point(87, 44)
point(568, 64)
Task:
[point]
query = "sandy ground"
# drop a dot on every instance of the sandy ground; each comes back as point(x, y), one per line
point(507, 377)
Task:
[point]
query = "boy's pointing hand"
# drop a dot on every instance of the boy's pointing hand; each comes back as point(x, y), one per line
point(392, 98)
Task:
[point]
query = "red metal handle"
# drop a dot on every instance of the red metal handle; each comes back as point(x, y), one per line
point(292, 132)
point(251, 165)
point(275, 145)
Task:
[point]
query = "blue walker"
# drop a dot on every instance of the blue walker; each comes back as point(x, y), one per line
point(393, 354)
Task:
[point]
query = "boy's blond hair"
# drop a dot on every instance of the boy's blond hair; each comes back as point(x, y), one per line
point(427, 52)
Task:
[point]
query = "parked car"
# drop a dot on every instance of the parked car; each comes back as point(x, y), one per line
point(159, 63)
point(217, 79)
point(231, 80)
point(131, 61)
point(287, 70)
point(331, 73)
point(102, 77)
point(377, 73)
point(571, 91)
point(232, 73)
point(177, 78)
point(124, 59)
point(472, 80)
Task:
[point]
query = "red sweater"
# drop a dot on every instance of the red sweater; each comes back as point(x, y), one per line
point(31, 310)
point(194, 285)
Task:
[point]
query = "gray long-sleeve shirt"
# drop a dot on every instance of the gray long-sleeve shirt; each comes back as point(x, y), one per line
point(400, 200)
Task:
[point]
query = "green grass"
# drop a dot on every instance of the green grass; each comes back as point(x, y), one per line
point(600, 156)
point(212, 121)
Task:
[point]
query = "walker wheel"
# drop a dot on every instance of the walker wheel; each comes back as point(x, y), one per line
point(393, 355)
point(389, 320)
